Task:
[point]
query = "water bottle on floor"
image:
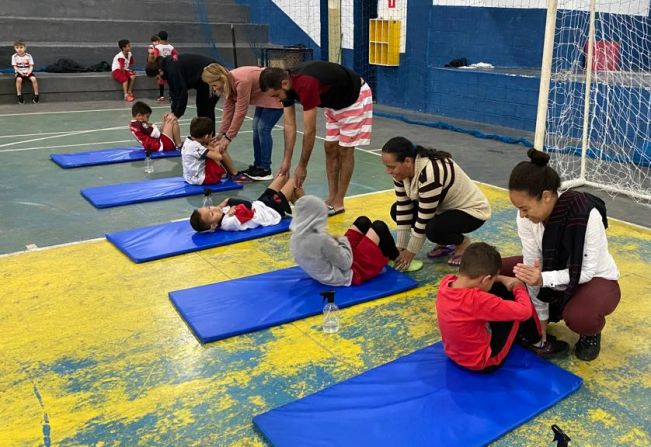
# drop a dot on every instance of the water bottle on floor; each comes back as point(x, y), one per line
point(207, 199)
point(330, 313)
point(149, 164)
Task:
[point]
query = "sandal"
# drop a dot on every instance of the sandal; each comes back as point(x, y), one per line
point(455, 260)
point(414, 265)
point(440, 251)
point(333, 212)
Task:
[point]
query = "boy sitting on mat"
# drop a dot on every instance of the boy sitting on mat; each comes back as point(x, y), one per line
point(480, 312)
point(354, 258)
point(237, 214)
point(153, 139)
point(203, 162)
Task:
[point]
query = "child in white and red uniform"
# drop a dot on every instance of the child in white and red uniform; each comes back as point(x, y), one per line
point(203, 162)
point(24, 68)
point(163, 48)
point(122, 69)
point(153, 139)
point(237, 214)
point(480, 313)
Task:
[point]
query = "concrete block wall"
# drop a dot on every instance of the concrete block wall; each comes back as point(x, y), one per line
point(87, 32)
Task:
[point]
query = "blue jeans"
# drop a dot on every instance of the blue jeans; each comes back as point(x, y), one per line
point(263, 121)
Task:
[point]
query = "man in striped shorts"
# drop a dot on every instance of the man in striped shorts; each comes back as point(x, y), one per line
point(348, 104)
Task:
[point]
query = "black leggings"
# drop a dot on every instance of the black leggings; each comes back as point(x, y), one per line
point(387, 245)
point(500, 330)
point(205, 102)
point(446, 228)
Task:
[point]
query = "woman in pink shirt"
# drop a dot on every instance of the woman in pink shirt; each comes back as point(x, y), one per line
point(240, 88)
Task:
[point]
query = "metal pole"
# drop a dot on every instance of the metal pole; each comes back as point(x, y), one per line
point(588, 87)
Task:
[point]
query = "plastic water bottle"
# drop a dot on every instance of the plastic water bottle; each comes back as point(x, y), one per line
point(330, 313)
point(207, 200)
point(149, 164)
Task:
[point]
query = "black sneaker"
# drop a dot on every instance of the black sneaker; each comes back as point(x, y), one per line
point(260, 174)
point(249, 169)
point(21, 100)
point(551, 349)
point(35, 100)
point(588, 347)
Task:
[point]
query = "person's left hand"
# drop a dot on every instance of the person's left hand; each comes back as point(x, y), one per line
point(530, 275)
point(222, 145)
point(403, 260)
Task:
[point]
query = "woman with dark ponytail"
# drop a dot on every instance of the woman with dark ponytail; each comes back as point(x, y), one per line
point(434, 199)
point(566, 263)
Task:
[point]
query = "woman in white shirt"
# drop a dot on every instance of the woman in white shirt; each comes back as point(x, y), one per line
point(565, 260)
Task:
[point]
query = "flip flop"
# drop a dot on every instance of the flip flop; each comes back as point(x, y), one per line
point(455, 260)
point(414, 265)
point(333, 212)
point(440, 251)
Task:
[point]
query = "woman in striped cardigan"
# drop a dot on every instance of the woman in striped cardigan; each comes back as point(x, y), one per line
point(435, 199)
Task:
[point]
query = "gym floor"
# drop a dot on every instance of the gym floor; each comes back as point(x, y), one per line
point(95, 354)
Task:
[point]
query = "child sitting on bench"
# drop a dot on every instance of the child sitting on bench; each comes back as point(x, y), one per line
point(203, 162)
point(480, 312)
point(237, 214)
point(153, 139)
point(354, 258)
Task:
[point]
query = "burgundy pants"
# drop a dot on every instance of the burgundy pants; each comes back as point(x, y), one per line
point(585, 312)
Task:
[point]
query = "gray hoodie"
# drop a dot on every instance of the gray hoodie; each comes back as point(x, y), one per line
point(325, 258)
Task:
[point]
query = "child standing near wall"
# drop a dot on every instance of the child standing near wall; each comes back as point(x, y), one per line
point(164, 49)
point(24, 67)
point(122, 69)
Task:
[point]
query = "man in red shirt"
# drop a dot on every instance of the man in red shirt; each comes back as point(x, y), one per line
point(348, 106)
point(478, 328)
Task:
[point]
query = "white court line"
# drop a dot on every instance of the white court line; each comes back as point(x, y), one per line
point(79, 144)
point(125, 109)
point(49, 247)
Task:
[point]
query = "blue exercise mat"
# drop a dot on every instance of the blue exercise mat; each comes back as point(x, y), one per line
point(175, 238)
point(107, 157)
point(148, 191)
point(422, 399)
point(243, 305)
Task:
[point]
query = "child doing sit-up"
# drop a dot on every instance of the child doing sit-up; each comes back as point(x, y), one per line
point(237, 214)
point(203, 162)
point(153, 139)
point(480, 312)
point(354, 258)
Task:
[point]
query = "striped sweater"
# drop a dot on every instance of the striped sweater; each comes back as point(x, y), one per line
point(437, 186)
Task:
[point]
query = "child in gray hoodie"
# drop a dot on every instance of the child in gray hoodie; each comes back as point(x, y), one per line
point(358, 256)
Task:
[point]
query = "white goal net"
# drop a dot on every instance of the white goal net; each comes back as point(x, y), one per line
point(610, 146)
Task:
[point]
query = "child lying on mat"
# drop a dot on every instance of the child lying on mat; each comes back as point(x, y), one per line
point(237, 214)
point(153, 139)
point(480, 312)
point(203, 162)
point(354, 258)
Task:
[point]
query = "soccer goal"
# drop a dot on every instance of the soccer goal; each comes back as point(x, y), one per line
point(594, 115)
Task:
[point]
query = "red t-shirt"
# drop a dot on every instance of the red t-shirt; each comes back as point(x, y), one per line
point(464, 314)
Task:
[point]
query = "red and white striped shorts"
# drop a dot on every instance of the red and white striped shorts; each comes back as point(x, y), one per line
point(352, 125)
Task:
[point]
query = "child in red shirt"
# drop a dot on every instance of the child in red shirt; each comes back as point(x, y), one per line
point(479, 327)
point(152, 138)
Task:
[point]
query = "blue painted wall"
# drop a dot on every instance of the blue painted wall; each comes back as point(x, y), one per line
point(282, 29)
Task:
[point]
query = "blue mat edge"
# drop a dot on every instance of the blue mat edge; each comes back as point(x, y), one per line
point(564, 396)
point(109, 237)
point(411, 286)
point(155, 155)
point(156, 199)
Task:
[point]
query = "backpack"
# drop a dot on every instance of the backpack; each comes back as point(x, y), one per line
point(64, 65)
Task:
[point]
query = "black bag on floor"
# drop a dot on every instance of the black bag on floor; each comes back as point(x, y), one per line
point(64, 65)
